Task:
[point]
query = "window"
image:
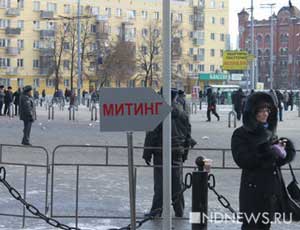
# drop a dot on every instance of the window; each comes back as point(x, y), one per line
point(191, 51)
point(212, 36)
point(50, 25)
point(267, 40)
point(119, 12)
point(20, 43)
point(144, 14)
point(4, 42)
point(36, 25)
point(191, 67)
point(51, 7)
point(21, 4)
point(131, 14)
point(212, 52)
point(20, 82)
point(144, 50)
point(66, 45)
point(36, 64)
point(20, 24)
point(155, 50)
point(259, 40)
point(155, 67)
point(156, 15)
point(93, 28)
point(66, 64)
point(212, 4)
point(108, 12)
point(36, 82)
point(36, 44)
point(20, 62)
point(222, 37)
point(118, 83)
point(131, 83)
point(67, 83)
point(49, 83)
point(179, 67)
point(67, 9)
point(221, 53)
point(36, 6)
point(222, 5)
point(212, 68)
point(201, 68)
point(180, 18)
point(222, 21)
point(94, 10)
point(4, 3)
point(4, 23)
point(144, 32)
point(213, 20)
point(4, 62)
point(191, 19)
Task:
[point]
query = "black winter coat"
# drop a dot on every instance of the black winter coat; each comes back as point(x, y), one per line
point(26, 108)
point(260, 189)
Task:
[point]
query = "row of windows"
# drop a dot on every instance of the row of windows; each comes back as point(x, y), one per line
point(213, 20)
point(201, 52)
point(201, 68)
point(7, 4)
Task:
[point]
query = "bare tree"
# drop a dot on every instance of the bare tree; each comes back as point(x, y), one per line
point(148, 55)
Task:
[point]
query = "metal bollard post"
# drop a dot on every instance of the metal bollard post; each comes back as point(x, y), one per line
point(199, 217)
point(50, 112)
point(72, 113)
point(200, 104)
point(231, 113)
point(94, 112)
point(11, 110)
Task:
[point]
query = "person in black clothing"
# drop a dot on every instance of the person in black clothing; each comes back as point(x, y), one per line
point(291, 100)
point(260, 153)
point(2, 95)
point(280, 101)
point(181, 99)
point(181, 139)
point(237, 100)
point(211, 105)
point(27, 113)
point(16, 99)
point(8, 99)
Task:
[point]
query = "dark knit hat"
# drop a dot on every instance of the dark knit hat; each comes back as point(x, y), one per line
point(27, 88)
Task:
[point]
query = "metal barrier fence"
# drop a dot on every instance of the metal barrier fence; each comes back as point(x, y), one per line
point(64, 161)
point(26, 167)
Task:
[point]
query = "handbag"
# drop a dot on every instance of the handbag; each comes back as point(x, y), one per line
point(291, 197)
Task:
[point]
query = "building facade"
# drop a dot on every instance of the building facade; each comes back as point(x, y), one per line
point(38, 45)
point(286, 46)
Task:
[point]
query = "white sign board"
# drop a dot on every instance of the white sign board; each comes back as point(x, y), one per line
point(131, 109)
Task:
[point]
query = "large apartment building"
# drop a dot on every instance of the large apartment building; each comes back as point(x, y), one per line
point(32, 39)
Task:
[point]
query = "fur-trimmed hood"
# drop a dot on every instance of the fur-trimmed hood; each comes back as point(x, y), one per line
point(249, 118)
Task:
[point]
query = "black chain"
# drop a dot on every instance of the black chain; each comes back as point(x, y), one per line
point(32, 209)
point(223, 201)
point(187, 185)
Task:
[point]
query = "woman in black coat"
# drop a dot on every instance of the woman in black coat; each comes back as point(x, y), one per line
point(259, 153)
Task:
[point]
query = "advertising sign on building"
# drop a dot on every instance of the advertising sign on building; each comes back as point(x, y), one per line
point(235, 60)
point(213, 76)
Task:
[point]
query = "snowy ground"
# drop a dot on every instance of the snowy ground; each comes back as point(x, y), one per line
point(103, 191)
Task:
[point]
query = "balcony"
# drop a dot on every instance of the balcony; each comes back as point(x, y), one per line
point(46, 52)
point(13, 12)
point(46, 15)
point(198, 57)
point(12, 71)
point(12, 31)
point(47, 34)
point(12, 51)
point(101, 18)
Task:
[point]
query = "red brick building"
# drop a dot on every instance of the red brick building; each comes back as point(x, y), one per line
point(286, 44)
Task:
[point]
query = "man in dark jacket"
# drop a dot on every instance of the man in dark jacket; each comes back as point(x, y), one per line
point(16, 99)
point(181, 133)
point(211, 105)
point(8, 99)
point(27, 112)
point(1, 98)
point(259, 153)
point(237, 100)
point(291, 99)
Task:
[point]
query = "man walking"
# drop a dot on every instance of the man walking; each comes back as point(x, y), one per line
point(211, 105)
point(8, 99)
point(26, 113)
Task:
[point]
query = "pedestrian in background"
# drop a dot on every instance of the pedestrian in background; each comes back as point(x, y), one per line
point(285, 100)
point(1, 98)
point(8, 99)
point(16, 99)
point(181, 133)
point(291, 100)
point(27, 113)
point(237, 100)
point(181, 99)
point(260, 154)
point(211, 105)
point(280, 101)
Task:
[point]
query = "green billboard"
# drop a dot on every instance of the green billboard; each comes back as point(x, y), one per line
point(213, 76)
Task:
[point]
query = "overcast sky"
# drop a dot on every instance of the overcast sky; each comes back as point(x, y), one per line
point(235, 6)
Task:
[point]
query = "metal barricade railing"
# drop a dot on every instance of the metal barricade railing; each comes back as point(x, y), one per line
point(72, 113)
point(50, 112)
point(232, 114)
point(94, 113)
point(27, 166)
